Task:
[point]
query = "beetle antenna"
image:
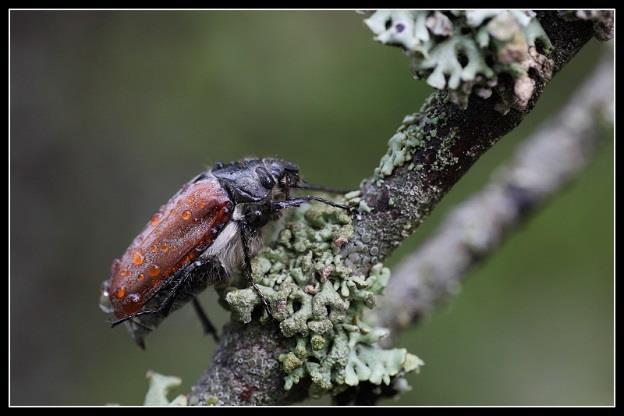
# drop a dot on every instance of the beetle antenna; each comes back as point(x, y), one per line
point(295, 202)
point(312, 187)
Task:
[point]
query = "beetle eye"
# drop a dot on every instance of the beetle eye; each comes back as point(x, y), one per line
point(265, 178)
point(266, 182)
point(289, 180)
point(294, 180)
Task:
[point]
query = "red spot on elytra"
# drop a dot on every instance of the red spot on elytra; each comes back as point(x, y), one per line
point(120, 292)
point(153, 270)
point(138, 258)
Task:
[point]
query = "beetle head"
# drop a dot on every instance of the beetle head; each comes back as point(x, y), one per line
point(284, 173)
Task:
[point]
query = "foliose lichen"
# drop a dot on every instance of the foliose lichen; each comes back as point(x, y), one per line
point(418, 132)
point(159, 387)
point(468, 51)
point(319, 303)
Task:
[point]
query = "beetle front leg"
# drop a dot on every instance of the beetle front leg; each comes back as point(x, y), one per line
point(209, 328)
point(247, 265)
point(295, 202)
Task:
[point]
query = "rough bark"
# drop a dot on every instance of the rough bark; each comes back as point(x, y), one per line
point(245, 370)
point(471, 132)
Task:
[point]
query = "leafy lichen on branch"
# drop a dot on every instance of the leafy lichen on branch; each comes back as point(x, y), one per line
point(419, 132)
point(470, 51)
point(319, 303)
point(159, 388)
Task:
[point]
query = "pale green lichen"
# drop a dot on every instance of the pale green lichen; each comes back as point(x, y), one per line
point(353, 194)
point(354, 200)
point(396, 156)
point(466, 51)
point(400, 148)
point(320, 303)
point(444, 155)
point(159, 387)
point(419, 132)
point(364, 207)
point(212, 401)
point(370, 364)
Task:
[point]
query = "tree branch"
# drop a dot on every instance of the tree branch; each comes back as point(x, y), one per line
point(245, 369)
point(456, 139)
point(542, 166)
point(399, 204)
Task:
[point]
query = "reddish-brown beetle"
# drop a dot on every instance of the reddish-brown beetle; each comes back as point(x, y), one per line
point(205, 232)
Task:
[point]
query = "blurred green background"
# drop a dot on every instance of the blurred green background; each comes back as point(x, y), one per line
point(112, 111)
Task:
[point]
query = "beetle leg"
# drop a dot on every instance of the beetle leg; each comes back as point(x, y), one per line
point(247, 266)
point(142, 325)
point(295, 202)
point(209, 328)
point(165, 306)
point(122, 320)
point(130, 318)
